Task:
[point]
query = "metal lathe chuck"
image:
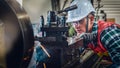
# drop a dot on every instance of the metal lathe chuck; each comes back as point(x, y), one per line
point(16, 35)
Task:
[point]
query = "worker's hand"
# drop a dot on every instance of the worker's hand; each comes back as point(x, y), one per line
point(87, 36)
point(80, 39)
point(86, 39)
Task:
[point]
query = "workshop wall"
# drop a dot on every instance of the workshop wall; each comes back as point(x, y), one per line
point(66, 5)
point(112, 8)
point(36, 8)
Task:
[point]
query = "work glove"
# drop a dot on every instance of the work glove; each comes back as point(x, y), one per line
point(83, 39)
point(87, 38)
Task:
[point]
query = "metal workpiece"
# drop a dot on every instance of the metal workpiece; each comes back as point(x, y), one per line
point(17, 35)
point(73, 41)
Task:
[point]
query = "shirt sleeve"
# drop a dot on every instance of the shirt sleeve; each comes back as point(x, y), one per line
point(110, 38)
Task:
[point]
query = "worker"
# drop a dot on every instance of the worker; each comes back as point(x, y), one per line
point(102, 37)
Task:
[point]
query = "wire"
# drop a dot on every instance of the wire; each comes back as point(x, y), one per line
point(44, 65)
point(45, 50)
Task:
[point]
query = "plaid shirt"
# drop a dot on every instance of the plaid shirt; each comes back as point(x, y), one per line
point(110, 38)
